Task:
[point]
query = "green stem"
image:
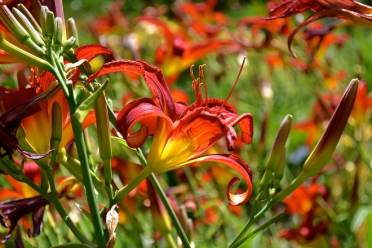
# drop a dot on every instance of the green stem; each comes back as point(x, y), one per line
point(258, 229)
point(87, 180)
point(82, 153)
point(277, 198)
point(123, 192)
point(171, 241)
point(154, 181)
point(290, 188)
point(104, 142)
point(247, 226)
point(55, 202)
point(73, 167)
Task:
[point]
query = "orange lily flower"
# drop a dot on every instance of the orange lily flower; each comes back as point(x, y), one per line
point(179, 52)
point(38, 127)
point(182, 134)
point(202, 17)
point(15, 105)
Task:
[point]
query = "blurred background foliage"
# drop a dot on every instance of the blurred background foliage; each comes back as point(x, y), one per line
point(291, 91)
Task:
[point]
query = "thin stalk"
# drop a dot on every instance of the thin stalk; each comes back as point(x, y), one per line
point(73, 167)
point(56, 203)
point(123, 192)
point(104, 143)
point(247, 226)
point(87, 180)
point(82, 153)
point(258, 229)
point(154, 181)
point(172, 243)
point(295, 184)
point(181, 233)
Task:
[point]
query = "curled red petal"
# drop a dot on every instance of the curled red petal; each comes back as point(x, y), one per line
point(142, 111)
point(245, 122)
point(238, 165)
point(152, 75)
point(89, 52)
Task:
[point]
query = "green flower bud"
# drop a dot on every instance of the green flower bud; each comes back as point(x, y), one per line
point(18, 30)
point(23, 55)
point(35, 35)
point(29, 17)
point(58, 37)
point(72, 30)
point(327, 143)
point(276, 162)
point(50, 24)
point(56, 125)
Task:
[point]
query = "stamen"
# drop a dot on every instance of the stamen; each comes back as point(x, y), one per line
point(236, 81)
point(202, 80)
point(192, 73)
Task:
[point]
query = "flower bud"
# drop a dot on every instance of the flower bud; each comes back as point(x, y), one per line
point(29, 17)
point(58, 37)
point(50, 24)
point(275, 164)
point(56, 125)
point(22, 54)
point(35, 35)
point(327, 143)
point(18, 30)
point(103, 129)
point(72, 30)
point(43, 20)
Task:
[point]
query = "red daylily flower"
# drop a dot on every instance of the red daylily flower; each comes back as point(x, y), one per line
point(182, 134)
point(15, 106)
point(262, 31)
point(202, 17)
point(38, 126)
point(344, 9)
point(179, 52)
point(348, 9)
